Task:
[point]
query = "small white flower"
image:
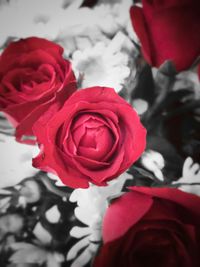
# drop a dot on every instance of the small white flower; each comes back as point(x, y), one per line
point(154, 162)
point(103, 65)
point(53, 214)
point(191, 171)
point(190, 175)
point(92, 203)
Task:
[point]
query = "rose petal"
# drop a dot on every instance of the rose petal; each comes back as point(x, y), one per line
point(125, 212)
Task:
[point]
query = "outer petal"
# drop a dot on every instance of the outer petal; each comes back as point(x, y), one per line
point(123, 213)
point(30, 44)
point(127, 210)
point(134, 135)
point(141, 28)
point(50, 158)
point(97, 94)
point(189, 201)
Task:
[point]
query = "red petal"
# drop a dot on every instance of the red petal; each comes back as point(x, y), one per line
point(189, 201)
point(123, 214)
point(140, 26)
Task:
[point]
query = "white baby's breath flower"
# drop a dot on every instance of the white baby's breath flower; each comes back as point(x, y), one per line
point(154, 162)
point(191, 171)
point(95, 199)
point(103, 65)
point(92, 203)
point(190, 180)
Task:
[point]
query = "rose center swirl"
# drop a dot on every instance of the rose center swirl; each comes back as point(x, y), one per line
point(92, 137)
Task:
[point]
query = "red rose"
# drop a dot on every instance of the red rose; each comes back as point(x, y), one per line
point(151, 227)
point(32, 73)
point(94, 138)
point(168, 30)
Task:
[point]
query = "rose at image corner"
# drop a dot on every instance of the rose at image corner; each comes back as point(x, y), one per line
point(33, 73)
point(168, 30)
point(151, 227)
point(94, 138)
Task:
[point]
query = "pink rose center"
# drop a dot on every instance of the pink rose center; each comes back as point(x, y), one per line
point(92, 136)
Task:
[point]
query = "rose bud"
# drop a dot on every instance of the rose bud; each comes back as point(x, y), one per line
point(168, 30)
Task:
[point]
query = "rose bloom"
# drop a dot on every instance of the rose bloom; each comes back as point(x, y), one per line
point(32, 73)
point(151, 227)
point(168, 30)
point(94, 138)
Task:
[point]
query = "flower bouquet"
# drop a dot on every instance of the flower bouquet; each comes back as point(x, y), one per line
point(100, 133)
